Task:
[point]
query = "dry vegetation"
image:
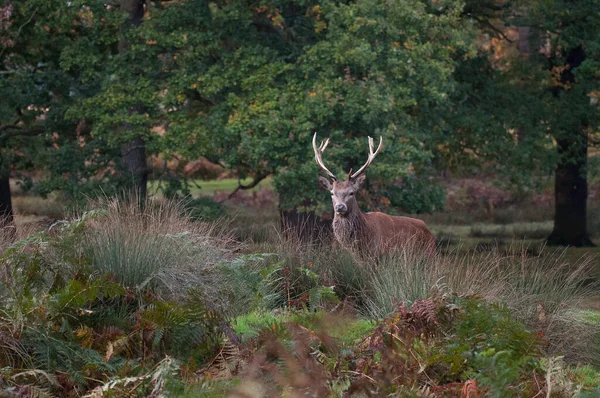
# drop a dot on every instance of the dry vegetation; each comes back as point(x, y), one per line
point(119, 301)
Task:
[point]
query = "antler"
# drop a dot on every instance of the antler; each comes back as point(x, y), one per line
point(372, 156)
point(319, 153)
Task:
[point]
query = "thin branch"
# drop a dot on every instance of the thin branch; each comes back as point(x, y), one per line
point(27, 22)
point(21, 28)
point(488, 24)
point(14, 125)
point(20, 132)
point(257, 180)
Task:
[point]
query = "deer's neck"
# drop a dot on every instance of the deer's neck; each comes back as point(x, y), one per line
point(348, 229)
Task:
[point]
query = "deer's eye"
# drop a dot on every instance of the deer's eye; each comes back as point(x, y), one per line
point(351, 193)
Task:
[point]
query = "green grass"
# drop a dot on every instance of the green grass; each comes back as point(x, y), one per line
point(349, 330)
point(201, 187)
point(249, 325)
point(591, 317)
point(586, 375)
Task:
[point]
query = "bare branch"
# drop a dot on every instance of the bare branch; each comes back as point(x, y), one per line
point(10, 131)
point(21, 28)
point(489, 25)
point(257, 180)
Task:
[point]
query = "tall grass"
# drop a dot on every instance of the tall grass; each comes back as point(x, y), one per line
point(543, 290)
point(156, 247)
point(7, 233)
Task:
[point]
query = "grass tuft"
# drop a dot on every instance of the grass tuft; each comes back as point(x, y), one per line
point(541, 287)
point(157, 247)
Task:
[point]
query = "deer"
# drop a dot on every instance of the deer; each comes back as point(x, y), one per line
point(368, 234)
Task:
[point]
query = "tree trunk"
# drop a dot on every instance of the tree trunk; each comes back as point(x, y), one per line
point(524, 51)
point(523, 45)
point(570, 177)
point(570, 194)
point(7, 223)
point(133, 153)
point(133, 158)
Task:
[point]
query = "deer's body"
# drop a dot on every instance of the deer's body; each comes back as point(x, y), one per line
point(377, 233)
point(370, 234)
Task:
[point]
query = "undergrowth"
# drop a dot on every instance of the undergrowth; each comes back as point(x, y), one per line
point(123, 301)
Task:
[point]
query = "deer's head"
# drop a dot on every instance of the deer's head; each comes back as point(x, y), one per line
point(343, 193)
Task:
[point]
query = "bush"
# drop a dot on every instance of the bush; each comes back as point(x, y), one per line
point(541, 290)
point(205, 209)
point(427, 349)
point(417, 195)
point(157, 247)
point(108, 295)
point(490, 346)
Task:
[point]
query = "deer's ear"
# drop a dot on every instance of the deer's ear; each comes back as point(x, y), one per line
point(358, 181)
point(325, 183)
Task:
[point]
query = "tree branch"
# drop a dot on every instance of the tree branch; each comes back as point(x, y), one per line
point(257, 180)
point(10, 131)
point(489, 25)
point(21, 28)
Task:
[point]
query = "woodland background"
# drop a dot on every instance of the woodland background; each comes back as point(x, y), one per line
point(163, 232)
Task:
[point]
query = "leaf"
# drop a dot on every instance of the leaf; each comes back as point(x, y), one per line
point(109, 351)
point(35, 373)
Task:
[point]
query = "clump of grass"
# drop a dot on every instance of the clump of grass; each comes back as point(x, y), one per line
point(157, 246)
point(541, 290)
point(540, 287)
point(334, 266)
point(8, 233)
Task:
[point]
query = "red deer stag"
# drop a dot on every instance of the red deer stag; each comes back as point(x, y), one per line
point(370, 234)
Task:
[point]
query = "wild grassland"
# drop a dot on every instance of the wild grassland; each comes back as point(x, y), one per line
point(119, 301)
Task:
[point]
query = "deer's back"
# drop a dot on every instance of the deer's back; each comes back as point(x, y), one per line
point(389, 232)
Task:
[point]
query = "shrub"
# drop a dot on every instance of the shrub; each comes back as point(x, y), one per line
point(541, 290)
point(417, 195)
point(204, 209)
point(156, 247)
point(109, 293)
point(488, 345)
point(427, 349)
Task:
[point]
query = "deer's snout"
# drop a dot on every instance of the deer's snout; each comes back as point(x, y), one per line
point(340, 208)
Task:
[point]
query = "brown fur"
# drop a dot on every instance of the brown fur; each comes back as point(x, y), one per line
point(373, 234)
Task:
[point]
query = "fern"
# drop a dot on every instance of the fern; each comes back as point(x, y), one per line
point(151, 384)
point(52, 353)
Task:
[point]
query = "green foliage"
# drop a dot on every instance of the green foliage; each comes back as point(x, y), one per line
point(97, 333)
point(251, 324)
point(205, 209)
point(492, 347)
point(243, 84)
point(416, 195)
point(63, 314)
point(429, 347)
point(587, 376)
